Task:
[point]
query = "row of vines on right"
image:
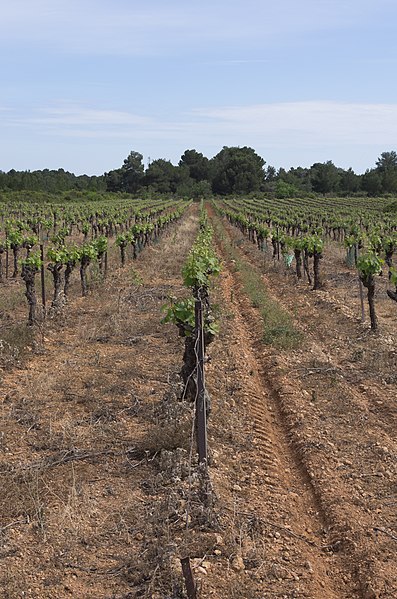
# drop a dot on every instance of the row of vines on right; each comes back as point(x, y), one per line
point(299, 235)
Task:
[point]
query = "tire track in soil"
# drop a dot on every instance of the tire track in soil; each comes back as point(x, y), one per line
point(280, 490)
point(354, 475)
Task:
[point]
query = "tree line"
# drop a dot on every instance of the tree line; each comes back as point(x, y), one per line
point(240, 170)
point(50, 181)
point(234, 170)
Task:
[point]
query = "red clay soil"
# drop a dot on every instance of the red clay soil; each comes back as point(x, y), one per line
point(335, 400)
point(101, 496)
point(79, 499)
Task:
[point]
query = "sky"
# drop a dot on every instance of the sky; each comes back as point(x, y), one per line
point(84, 82)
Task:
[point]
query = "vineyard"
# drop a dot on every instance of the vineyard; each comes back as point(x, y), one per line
point(198, 399)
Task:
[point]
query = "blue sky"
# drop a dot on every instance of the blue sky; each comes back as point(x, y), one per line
point(84, 82)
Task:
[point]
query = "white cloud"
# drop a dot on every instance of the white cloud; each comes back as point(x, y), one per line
point(134, 28)
point(319, 123)
point(285, 134)
point(86, 117)
point(89, 26)
point(286, 123)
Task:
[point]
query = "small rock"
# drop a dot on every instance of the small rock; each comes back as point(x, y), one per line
point(279, 572)
point(309, 566)
point(238, 564)
point(369, 593)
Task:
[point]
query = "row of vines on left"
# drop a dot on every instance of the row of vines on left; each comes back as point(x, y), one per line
point(81, 239)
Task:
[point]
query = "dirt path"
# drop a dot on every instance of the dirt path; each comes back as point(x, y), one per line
point(293, 555)
point(340, 433)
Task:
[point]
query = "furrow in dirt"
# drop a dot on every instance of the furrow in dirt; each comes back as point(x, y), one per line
point(339, 422)
point(278, 489)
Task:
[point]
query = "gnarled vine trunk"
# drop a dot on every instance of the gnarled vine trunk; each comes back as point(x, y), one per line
point(83, 275)
point(369, 283)
point(101, 264)
point(275, 246)
point(389, 260)
point(298, 262)
point(189, 367)
point(306, 266)
point(316, 270)
point(122, 253)
point(392, 294)
point(15, 254)
point(68, 272)
point(28, 274)
point(55, 270)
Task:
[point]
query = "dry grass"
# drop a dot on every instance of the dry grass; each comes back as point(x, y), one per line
point(80, 430)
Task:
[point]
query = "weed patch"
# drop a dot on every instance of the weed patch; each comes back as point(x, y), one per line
point(278, 328)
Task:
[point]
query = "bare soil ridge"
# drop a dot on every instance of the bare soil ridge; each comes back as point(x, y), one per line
point(341, 417)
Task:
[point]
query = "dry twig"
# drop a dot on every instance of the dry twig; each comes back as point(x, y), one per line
point(385, 532)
